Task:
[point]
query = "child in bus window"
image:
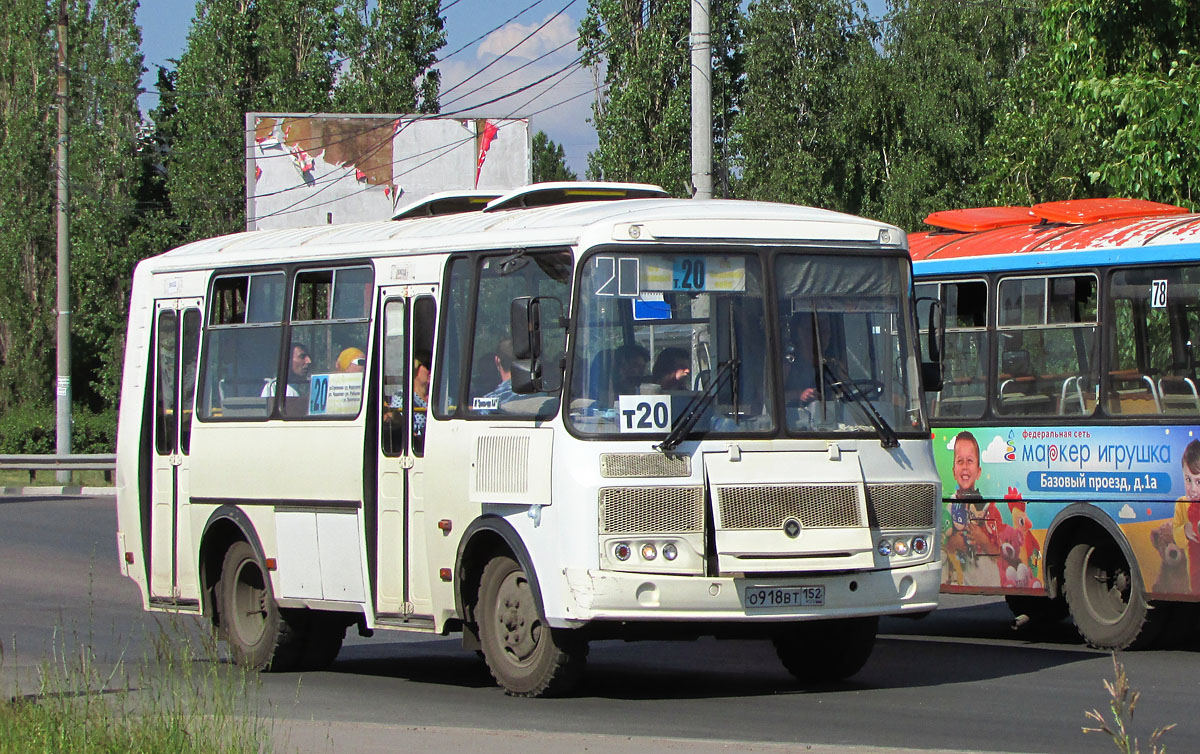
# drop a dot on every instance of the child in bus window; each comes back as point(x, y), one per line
point(1187, 512)
point(967, 469)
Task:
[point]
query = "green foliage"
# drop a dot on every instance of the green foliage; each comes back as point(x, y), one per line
point(30, 428)
point(1107, 106)
point(643, 117)
point(549, 161)
point(390, 53)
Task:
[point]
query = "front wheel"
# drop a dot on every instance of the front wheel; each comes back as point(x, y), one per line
point(525, 655)
point(825, 651)
point(1106, 599)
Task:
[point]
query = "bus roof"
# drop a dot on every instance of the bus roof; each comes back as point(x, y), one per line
point(1077, 232)
point(673, 220)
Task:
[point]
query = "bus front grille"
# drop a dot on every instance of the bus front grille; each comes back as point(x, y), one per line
point(819, 506)
point(651, 510)
point(618, 465)
point(901, 506)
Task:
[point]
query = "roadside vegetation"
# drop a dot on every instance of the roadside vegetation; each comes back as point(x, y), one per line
point(1118, 725)
point(182, 700)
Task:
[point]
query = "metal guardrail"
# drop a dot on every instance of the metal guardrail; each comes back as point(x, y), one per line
point(33, 463)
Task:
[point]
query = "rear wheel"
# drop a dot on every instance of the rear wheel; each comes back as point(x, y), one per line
point(525, 655)
point(259, 634)
point(1106, 598)
point(826, 650)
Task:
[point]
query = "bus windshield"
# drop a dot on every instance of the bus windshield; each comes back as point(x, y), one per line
point(656, 331)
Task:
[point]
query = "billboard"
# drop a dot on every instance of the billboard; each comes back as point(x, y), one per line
point(316, 168)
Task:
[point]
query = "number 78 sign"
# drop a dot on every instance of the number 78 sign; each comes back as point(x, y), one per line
point(644, 413)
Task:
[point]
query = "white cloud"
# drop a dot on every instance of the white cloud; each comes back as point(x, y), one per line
point(994, 452)
point(1127, 512)
point(557, 32)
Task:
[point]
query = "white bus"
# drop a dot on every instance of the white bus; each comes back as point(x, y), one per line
point(538, 424)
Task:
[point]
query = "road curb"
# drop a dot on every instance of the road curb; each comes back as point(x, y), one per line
point(68, 490)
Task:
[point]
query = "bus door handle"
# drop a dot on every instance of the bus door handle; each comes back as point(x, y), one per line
point(176, 459)
point(406, 462)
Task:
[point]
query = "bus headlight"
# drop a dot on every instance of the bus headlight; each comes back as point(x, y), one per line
point(920, 545)
point(648, 552)
point(669, 551)
point(885, 548)
point(901, 547)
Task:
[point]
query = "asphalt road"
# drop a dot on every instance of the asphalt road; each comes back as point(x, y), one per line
point(960, 680)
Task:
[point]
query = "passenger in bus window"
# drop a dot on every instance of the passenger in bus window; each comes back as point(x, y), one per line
point(351, 360)
point(298, 369)
point(420, 387)
point(628, 373)
point(672, 369)
point(1187, 512)
point(966, 466)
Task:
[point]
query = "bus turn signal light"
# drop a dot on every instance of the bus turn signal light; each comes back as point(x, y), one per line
point(445, 525)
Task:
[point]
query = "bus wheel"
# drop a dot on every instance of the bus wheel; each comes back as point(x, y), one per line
point(1040, 609)
point(260, 636)
point(1106, 601)
point(823, 651)
point(525, 656)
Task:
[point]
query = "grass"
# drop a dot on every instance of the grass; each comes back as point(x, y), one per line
point(19, 478)
point(1122, 701)
point(185, 699)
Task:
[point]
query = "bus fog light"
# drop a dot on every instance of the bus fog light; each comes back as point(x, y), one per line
point(920, 546)
point(901, 547)
point(621, 551)
point(669, 551)
point(885, 547)
point(648, 552)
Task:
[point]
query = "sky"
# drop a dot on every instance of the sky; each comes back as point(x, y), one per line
point(486, 29)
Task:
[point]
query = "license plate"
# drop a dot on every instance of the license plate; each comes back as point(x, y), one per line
point(792, 596)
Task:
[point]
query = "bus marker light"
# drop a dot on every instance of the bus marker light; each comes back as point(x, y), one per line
point(445, 574)
point(670, 552)
point(270, 564)
point(129, 558)
point(901, 547)
point(621, 551)
point(885, 548)
point(445, 525)
point(648, 552)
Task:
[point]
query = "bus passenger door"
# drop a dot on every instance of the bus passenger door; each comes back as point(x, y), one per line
point(409, 314)
point(176, 348)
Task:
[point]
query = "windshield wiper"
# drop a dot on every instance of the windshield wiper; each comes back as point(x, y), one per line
point(696, 406)
point(843, 385)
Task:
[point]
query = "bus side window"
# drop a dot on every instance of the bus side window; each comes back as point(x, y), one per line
point(394, 378)
point(424, 314)
point(964, 392)
point(244, 333)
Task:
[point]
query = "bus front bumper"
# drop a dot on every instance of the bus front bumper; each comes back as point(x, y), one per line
point(595, 595)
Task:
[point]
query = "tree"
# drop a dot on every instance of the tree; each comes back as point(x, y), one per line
point(27, 245)
point(549, 161)
point(1107, 106)
point(242, 56)
point(390, 52)
point(642, 117)
point(798, 58)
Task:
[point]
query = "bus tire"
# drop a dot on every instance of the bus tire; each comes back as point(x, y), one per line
point(259, 634)
point(525, 655)
point(1039, 609)
point(1106, 598)
point(825, 651)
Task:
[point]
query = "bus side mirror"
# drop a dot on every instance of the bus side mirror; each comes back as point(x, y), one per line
point(935, 332)
point(535, 349)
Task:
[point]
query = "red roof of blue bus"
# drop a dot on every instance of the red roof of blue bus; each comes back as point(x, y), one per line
point(1074, 225)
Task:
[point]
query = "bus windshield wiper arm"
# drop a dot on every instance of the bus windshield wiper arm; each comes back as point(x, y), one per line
point(842, 384)
point(695, 407)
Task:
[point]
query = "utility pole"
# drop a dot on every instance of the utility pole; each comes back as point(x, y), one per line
point(62, 444)
point(701, 47)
